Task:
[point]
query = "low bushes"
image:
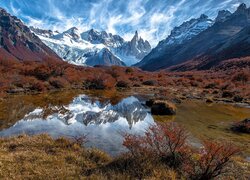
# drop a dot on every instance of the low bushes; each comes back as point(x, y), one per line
point(242, 77)
point(150, 83)
point(122, 84)
point(167, 143)
point(164, 141)
point(50, 75)
point(100, 82)
point(212, 160)
point(58, 82)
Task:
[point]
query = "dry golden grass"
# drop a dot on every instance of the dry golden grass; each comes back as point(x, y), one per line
point(41, 157)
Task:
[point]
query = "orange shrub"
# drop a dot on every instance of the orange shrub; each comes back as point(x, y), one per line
point(166, 141)
point(58, 82)
point(213, 158)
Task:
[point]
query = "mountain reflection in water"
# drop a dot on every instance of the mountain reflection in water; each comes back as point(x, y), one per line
point(103, 123)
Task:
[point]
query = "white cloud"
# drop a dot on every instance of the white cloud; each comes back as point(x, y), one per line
point(14, 10)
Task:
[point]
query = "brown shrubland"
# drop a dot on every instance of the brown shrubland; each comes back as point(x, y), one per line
point(162, 153)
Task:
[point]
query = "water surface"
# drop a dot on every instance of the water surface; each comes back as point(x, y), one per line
point(104, 117)
point(102, 123)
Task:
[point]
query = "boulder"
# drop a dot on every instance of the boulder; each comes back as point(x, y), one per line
point(177, 100)
point(242, 127)
point(238, 98)
point(209, 100)
point(150, 102)
point(227, 94)
point(163, 108)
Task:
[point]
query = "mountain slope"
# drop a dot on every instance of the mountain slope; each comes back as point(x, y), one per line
point(201, 44)
point(179, 35)
point(19, 43)
point(236, 47)
point(104, 57)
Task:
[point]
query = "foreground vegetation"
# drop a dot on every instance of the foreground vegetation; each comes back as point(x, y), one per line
point(163, 152)
point(230, 84)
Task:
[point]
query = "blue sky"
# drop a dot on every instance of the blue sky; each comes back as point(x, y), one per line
point(154, 19)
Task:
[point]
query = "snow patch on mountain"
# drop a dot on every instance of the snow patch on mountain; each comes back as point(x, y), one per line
point(71, 51)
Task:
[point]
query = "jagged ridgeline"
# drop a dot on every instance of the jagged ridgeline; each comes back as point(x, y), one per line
point(94, 48)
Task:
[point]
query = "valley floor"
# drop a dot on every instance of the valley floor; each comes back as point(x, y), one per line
point(26, 157)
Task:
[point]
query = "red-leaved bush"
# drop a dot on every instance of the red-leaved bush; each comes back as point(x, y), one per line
point(167, 142)
point(212, 160)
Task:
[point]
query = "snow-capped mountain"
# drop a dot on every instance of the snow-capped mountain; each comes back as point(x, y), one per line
point(188, 30)
point(93, 47)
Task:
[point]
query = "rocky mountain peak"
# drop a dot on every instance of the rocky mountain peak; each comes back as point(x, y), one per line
point(73, 33)
point(203, 17)
point(2, 10)
point(202, 38)
point(137, 47)
point(242, 9)
point(223, 16)
point(135, 39)
point(108, 39)
point(92, 43)
point(42, 32)
point(136, 34)
point(72, 30)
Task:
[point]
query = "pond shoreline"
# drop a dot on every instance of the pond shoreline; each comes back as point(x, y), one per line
point(158, 92)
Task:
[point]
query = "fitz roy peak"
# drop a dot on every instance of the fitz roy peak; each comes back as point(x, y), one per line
point(94, 48)
point(137, 48)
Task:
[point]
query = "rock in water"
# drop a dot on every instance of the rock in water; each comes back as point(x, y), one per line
point(242, 127)
point(163, 108)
